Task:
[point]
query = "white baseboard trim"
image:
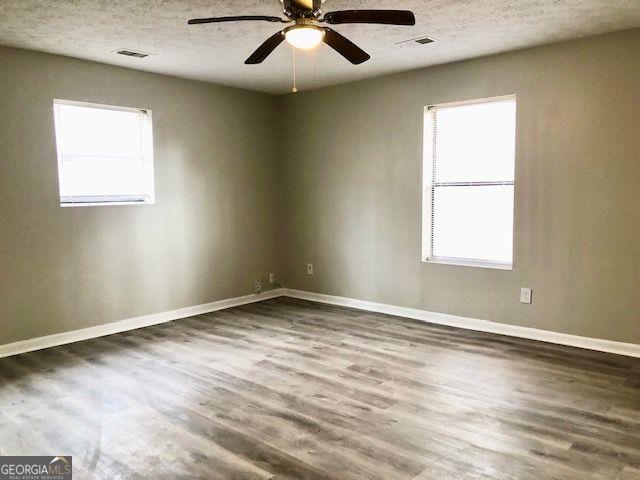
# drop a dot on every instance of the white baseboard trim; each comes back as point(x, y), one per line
point(56, 339)
point(609, 346)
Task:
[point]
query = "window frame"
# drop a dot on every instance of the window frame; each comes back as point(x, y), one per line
point(107, 200)
point(428, 188)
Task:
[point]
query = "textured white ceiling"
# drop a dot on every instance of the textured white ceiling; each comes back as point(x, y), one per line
point(93, 29)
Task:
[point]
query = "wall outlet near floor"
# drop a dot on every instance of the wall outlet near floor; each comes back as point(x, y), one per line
point(258, 284)
point(309, 268)
point(525, 295)
point(272, 278)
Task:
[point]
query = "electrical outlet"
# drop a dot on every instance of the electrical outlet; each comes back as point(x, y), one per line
point(525, 295)
point(309, 268)
point(272, 278)
point(258, 284)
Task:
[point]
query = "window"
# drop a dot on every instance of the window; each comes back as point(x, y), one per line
point(105, 154)
point(469, 158)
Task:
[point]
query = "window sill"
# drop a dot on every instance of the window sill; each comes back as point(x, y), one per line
point(102, 204)
point(465, 262)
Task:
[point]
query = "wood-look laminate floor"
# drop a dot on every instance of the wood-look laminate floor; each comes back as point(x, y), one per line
point(287, 389)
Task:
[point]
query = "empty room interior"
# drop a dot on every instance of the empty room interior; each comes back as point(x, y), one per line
point(320, 240)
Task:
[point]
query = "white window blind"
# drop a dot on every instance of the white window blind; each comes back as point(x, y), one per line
point(469, 161)
point(105, 154)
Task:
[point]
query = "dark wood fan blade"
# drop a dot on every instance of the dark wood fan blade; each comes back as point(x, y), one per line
point(385, 17)
point(265, 49)
point(264, 18)
point(345, 47)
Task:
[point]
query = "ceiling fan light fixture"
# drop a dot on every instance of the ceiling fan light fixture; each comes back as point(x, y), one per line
point(305, 37)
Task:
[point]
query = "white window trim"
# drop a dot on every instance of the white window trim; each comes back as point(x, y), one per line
point(427, 191)
point(469, 262)
point(148, 152)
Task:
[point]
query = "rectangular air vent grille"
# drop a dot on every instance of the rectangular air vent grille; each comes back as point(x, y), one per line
point(423, 40)
point(419, 41)
point(130, 53)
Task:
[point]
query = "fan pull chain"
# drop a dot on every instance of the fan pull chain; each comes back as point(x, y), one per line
point(315, 58)
point(294, 89)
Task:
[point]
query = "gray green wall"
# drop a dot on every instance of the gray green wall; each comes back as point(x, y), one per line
point(248, 183)
point(353, 189)
point(213, 226)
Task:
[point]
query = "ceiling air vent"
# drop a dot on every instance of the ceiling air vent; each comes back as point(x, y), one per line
point(131, 53)
point(423, 40)
point(419, 40)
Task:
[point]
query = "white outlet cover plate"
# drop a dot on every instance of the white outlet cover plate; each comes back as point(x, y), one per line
point(525, 295)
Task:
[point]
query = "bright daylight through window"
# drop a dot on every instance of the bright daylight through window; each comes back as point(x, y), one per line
point(105, 154)
point(469, 158)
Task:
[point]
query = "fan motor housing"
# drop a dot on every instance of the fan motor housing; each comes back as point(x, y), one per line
point(302, 8)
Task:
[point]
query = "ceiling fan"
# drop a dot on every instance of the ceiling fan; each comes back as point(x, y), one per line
point(306, 34)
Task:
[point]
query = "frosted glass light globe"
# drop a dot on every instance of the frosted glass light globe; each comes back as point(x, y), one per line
point(305, 37)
